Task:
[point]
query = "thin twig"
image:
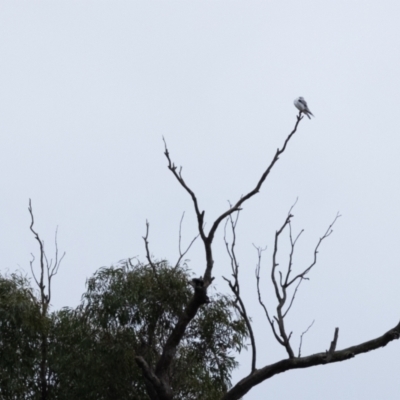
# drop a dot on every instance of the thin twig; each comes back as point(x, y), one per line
point(292, 247)
point(53, 271)
point(293, 297)
point(41, 247)
point(301, 337)
point(281, 285)
point(33, 272)
point(181, 255)
point(146, 244)
point(235, 286)
point(270, 320)
point(279, 296)
point(325, 235)
point(178, 175)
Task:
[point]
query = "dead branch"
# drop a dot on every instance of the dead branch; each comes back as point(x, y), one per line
point(182, 254)
point(280, 292)
point(260, 375)
point(332, 348)
point(258, 268)
point(47, 269)
point(208, 239)
point(200, 293)
point(301, 336)
point(282, 284)
point(42, 254)
point(239, 304)
point(146, 245)
point(53, 270)
point(33, 272)
point(324, 236)
point(257, 188)
point(178, 175)
point(159, 376)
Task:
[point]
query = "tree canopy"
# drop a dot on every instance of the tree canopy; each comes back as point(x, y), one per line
point(127, 311)
point(20, 325)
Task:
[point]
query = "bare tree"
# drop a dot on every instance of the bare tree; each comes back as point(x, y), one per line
point(283, 284)
point(285, 288)
point(47, 270)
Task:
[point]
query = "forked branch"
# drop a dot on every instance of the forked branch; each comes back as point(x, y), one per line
point(239, 203)
point(239, 304)
point(148, 255)
point(183, 253)
point(324, 236)
point(200, 294)
point(282, 284)
point(48, 268)
point(301, 337)
point(178, 175)
point(260, 375)
point(208, 239)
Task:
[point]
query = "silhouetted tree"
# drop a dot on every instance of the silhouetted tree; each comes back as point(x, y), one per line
point(285, 283)
point(20, 322)
point(129, 311)
point(153, 331)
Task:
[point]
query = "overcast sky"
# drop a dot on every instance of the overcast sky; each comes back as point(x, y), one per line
point(88, 89)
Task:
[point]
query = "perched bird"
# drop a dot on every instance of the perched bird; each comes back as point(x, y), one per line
point(301, 104)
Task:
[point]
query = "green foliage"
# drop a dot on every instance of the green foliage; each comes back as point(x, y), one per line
point(130, 310)
point(20, 326)
point(127, 311)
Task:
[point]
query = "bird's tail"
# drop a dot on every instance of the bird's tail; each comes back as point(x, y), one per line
point(308, 114)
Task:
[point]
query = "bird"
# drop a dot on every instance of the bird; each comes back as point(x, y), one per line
point(301, 104)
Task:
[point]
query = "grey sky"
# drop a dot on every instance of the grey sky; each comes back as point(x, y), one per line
point(88, 89)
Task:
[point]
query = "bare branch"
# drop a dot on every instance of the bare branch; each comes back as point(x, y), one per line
point(257, 188)
point(178, 175)
point(146, 244)
point(33, 272)
point(200, 215)
point(292, 247)
point(293, 297)
point(332, 348)
point(325, 235)
point(235, 286)
point(53, 271)
point(293, 206)
point(281, 286)
point(270, 320)
point(274, 262)
point(281, 296)
point(200, 295)
point(181, 255)
point(260, 375)
point(42, 253)
point(57, 261)
point(47, 268)
point(280, 290)
point(301, 336)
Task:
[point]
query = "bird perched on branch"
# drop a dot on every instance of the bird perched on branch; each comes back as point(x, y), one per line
point(301, 104)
